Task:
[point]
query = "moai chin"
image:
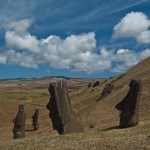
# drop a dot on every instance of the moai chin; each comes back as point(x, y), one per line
point(129, 106)
point(35, 118)
point(60, 109)
point(19, 123)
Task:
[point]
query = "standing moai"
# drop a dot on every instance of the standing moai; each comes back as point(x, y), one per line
point(19, 123)
point(129, 106)
point(35, 118)
point(60, 109)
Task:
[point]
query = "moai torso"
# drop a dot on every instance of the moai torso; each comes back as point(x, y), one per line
point(129, 106)
point(60, 109)
point(35, 118)
point(19, 123)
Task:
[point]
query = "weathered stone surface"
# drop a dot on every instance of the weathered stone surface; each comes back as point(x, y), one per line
point(129, 106)
point(35, 118)
point(107, 90)
point(60, 109)
point(90, 84)
point(96, 84)
point(19, 123)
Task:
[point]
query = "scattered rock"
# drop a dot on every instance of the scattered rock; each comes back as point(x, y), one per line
point(129, 106)
point(121, 76)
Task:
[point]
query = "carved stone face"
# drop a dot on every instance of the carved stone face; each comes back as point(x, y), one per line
point(129, 105)
point(60, 109)
point(54, 114)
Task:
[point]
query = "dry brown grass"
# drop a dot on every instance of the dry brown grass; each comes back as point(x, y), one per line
point(101, 115)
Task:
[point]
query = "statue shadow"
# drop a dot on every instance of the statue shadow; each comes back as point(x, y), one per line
point(111, 128)
point(29, 130)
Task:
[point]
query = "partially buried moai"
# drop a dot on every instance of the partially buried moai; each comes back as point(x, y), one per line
point(35, 118)
point(107, 90)
point(60, 109)
point(19, 123)
point(129, 106)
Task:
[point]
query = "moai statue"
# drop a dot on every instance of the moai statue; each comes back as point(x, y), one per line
point(129, 106)
point(19, 123)
point(90, 84)
point(96, 84)
point(60, 109)
point(107, 90)
point(35, 118)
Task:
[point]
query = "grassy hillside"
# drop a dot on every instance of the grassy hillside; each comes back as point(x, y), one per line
point(99, 118)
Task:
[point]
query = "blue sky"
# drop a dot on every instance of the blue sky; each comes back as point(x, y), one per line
point(81, 38)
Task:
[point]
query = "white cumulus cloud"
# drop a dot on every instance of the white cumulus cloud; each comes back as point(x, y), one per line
point(75, 52)
point(128, 58)
point(134, 25)
point(20, 26)
point(26, 42)
point(3, 59)
point(144, 37)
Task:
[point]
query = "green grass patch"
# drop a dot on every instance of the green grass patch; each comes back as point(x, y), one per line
point(20, 96)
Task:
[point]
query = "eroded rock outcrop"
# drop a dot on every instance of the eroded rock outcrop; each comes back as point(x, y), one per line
point(35, 118)
point(60, 109)
point(19, 123)
point(129, 106)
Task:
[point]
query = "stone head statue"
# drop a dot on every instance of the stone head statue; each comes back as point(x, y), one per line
point(60, 108)
point(53, 107)
point(35, 119)
point(19, 123)
point(129, 106)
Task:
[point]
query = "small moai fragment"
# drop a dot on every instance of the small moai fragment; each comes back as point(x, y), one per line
point(129, 106)
point(19, 123)
point(107, 90)
point(89, 85)
point(60, 109)
point(96, 84)
point(35, 118)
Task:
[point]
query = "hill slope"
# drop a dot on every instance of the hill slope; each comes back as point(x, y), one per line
point(99, 118)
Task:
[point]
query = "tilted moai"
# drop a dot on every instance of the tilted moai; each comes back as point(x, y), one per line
point(129, 106)
point(19, 123)
point(35, 118)
point(107, 90)
point(60, 109)
point(96, 84)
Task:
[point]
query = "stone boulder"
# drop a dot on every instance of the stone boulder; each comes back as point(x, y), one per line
point(129, 106)
point(60, 109)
